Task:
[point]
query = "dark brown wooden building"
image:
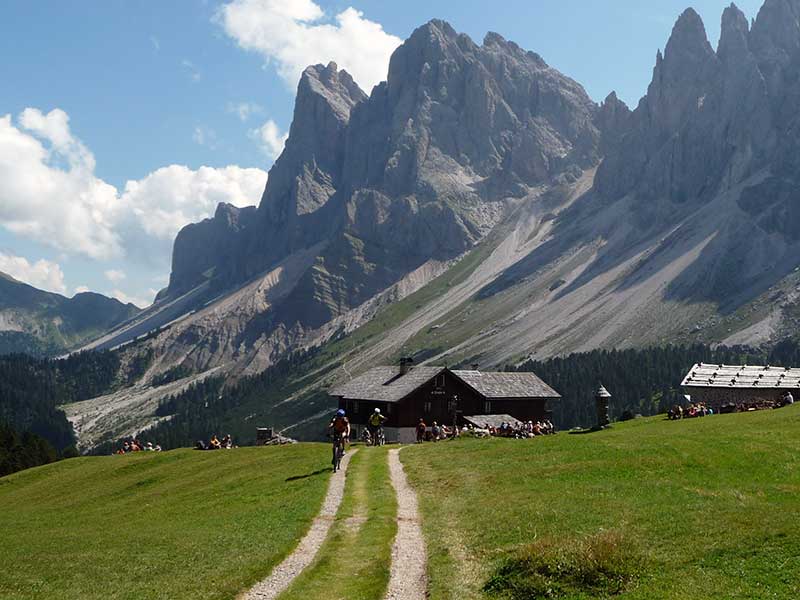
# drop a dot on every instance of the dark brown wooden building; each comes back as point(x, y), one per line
point(726, 386)
point(405, 394)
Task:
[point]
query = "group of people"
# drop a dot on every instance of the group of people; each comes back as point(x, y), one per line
point(136, 445)
point(516, 430)
point(519, 430)
point(215, 443)
point(435, 432)
point(698, 409)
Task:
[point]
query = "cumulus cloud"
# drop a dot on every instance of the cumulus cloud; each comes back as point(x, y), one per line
point(270, 139)
point(48, 191)
point(42, 274)
point(114, 275)
point(50, 194)
point(171, 197)
point(81, 289)
point(292, 34)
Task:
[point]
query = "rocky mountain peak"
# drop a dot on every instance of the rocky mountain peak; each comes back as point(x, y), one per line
point(337, 87)
point(776, 30)
point(306, 173)
point(733, 41)
point(688, 46)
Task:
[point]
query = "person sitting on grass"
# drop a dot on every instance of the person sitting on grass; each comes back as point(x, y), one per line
point(213, 443)
point(227, 442)
point(436, 431)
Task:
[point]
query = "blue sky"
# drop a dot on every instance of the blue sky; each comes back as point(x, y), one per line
point(188, 101)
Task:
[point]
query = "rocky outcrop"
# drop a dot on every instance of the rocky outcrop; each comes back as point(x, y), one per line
point(209, 250)
point(701, 174)
point(419, 171)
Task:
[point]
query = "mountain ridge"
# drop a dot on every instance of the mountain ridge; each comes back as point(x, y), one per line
point(46, 323)
point(566, 225)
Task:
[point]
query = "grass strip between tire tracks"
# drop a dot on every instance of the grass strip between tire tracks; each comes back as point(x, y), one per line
point(354, 562)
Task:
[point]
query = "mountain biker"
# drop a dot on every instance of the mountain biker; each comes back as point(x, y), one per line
point(375, 422)
point(340, 425)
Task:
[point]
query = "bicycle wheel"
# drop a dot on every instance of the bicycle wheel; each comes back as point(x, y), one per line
point(336, 457)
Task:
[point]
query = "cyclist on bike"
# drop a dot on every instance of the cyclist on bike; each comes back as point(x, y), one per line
point(375, 423)
point(340, 425)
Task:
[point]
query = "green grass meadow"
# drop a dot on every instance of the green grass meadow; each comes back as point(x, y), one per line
point(179, 524)
point(650, 509)
point(702, 508)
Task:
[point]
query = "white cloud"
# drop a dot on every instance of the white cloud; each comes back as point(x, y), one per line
point(171, 197)
point(269, 138)
point(244, 110)
point(50, 194)
point(293, 34)
point(81, 289)
point(114, 275)
point(48, 191)
point(126, 299)
point(42, 274)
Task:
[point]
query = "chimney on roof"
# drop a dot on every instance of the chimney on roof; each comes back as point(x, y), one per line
point(405, 365)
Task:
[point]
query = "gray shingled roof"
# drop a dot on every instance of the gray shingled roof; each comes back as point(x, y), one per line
point(372, 385)
point(507, 385)
point(738, 377)
point(384, 384)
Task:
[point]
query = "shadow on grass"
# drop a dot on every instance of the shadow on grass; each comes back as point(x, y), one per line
point(307, 475)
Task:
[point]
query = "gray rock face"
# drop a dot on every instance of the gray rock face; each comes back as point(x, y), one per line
point(387, 182)
point(209, 249)
point(715, 125)
point(372, 187)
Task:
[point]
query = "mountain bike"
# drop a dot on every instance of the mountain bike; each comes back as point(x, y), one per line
point(380, 438)
point(338, 451)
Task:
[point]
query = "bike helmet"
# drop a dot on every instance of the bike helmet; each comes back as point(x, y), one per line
point(378, 411)
point(340, 412)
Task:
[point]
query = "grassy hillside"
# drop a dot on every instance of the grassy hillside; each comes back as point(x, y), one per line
point(180, 524)
point(704, 508)
point(43, 323)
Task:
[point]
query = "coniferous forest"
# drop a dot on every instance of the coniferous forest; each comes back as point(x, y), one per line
point(641, 381)
point(34, 429)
